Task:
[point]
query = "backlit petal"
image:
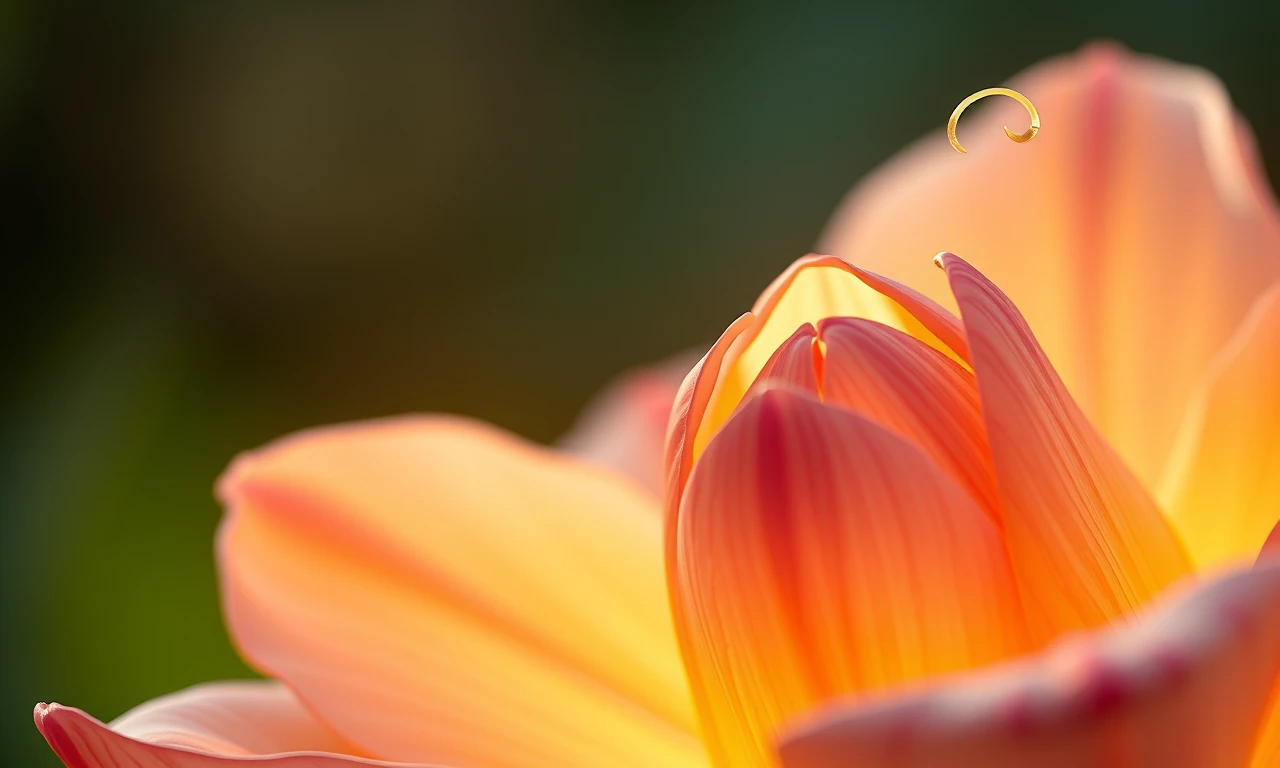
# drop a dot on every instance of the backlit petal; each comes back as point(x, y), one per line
point(625, 426)
point(794, 365)
point(819, 554)
point(1087, 543)
point(687, 414)
point(906, 385)
point(1184, 686)
point(208, 726)
point(1222, 488)
point(813, 288)
point(1143, 185)
point(438, 591)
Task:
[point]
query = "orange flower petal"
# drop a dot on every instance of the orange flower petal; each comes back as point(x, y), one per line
point(214, 725)
point(624, 428)
point(1184, 686)
point(813, 288)
point(1222, 487)
point(794, 365)
point(1087, 543)
point(819, 553)
point(1144, 184)
point(438, 591)
point(923, 313)
point(687, 414)
point(911, 388)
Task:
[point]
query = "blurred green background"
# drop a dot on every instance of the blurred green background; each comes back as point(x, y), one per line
point(227, 221)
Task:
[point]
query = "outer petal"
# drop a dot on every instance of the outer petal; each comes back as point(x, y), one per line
point(911, 388)
point(625, 426)
point(207, 726)
point(1185, 686)
point(1222, 487)
point(1087, 543)
point(818, 554)
point(1143, 186)
point(438, 591)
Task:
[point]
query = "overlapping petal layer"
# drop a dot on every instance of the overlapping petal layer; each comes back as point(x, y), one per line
point(819, 553)
point(813, 288)
point(1222, 487)
point(903, 384)
point(1087, 543)
point(1183, 686)
point(794, 365)
point(438, 591)
point(216, 725)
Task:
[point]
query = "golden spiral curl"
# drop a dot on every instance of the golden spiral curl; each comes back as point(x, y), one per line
point(1026, 135)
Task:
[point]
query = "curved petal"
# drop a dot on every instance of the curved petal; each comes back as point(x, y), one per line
point(624, 427)
point(906, 385)
point(1185, 685)
point(687, 415)
point(812, 288)
point(1087, 543)
point(818, 554)
point(1222, 487)
point(794, 365)
point(1143, 185)
point(208, 726)
point(439, 591)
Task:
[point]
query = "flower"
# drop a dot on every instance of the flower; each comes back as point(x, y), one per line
point(890, 535)
point(866, 504)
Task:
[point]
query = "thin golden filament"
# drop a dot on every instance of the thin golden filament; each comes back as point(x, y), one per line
point(1026, 135)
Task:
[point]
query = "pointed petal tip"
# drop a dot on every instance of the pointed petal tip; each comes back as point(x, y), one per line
point(47, 715)
point(41, 712)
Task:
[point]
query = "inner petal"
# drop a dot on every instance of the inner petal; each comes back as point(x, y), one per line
point(820, 554)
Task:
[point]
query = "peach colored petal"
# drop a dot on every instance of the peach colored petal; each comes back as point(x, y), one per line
point(208, 726)
point(1185, 685)
point(1222, 486)
point(1142, 185)
point(819, 553)
point(922, 313)
point(687, 415)
point(793, 365)
point(906, 385)
point(812, 288)
point(439, 591)
point(1087, 543)
point(624, 428)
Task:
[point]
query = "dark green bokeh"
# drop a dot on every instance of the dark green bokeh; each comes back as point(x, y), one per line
point(230, 221)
